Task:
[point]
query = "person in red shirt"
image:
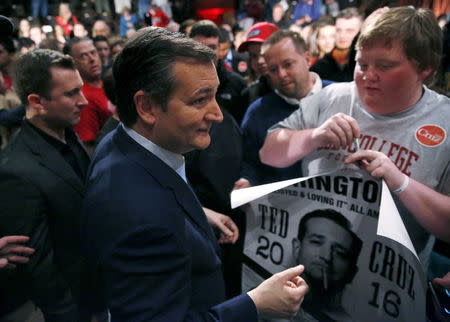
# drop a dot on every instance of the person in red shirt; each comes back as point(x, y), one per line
point(96, 112)
point(158, 16)
point(65, 18)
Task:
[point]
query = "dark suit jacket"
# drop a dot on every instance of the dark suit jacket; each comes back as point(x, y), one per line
point(146, 235)
point(40, 197)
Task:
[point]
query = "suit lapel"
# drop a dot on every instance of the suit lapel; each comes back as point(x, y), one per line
point(51, 159)
point(168, 178)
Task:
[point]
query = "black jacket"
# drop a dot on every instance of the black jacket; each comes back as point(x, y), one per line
point(229, 92)
point(41, 197)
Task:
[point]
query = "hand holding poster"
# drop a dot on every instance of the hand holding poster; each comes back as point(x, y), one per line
point(329, 224)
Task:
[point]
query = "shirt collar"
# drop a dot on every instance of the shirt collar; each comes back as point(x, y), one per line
point(229, 56)
point(173, 160)
point(316, 88)
point(57, 144)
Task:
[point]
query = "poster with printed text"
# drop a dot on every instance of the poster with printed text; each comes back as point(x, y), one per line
point(328, 223)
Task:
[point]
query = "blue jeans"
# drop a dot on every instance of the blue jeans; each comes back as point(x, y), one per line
point(39, 7)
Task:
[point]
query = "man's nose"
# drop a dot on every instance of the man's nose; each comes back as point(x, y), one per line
point(282, 72)
point(370, 74)
point(326, 253)
point(214, 113)
point(82, 101)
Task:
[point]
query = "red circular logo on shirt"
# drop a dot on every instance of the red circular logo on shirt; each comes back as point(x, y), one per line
point(430, 135)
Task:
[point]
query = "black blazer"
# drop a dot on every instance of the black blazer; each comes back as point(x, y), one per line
point(40, 197)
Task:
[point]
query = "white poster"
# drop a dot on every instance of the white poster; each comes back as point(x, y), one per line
point(329, 224)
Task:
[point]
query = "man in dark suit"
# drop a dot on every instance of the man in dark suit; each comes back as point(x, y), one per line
point(41, 188)
point(145, 232)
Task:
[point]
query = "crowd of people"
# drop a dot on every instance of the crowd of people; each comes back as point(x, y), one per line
point(124, 127)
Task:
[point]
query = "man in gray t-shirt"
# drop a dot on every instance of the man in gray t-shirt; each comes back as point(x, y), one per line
point(402, 125)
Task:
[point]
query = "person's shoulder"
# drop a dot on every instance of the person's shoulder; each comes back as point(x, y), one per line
point(332, 96)
point(17, 152)
point(338, 89)
point(326, 60)
point(438, 98)
point(17, 164)
point(261, 107)
point(268, 101)
point(434, 105)
point(118, 159)
point(92, 92)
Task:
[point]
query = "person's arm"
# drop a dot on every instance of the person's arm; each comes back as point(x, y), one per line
point(148, 278)
point(284, 147)
point(12, 252)
point(23, 212)
point(430, 208)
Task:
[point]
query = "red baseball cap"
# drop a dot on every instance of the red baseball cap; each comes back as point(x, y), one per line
point(258, 33)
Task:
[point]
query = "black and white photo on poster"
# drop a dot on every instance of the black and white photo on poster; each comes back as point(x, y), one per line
point(328, 223)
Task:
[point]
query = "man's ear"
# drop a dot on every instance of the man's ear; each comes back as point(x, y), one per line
point(146, 108)
point(307, 56)
point(424, 74)
point(296, 244)
point(35, 101)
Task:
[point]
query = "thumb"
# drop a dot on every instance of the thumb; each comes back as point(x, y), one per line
point(292, 272)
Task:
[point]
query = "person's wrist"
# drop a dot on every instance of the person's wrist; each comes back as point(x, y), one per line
point(253, 294)
point(403, 185)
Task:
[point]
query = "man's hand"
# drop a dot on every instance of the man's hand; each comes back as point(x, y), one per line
point(9, 251)
point(379, 166)
point(280, 295)
point(229, 233)
point(241, 184)
point(338, 131)
point(444, 281)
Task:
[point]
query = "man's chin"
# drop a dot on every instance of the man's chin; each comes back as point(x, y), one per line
point(202, 144)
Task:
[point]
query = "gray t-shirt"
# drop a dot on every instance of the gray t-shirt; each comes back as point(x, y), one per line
point(415, 140)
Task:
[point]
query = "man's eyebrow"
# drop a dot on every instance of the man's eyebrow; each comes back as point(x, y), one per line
point(341, 247)
point(73, 91)
point(317, 235)
point(205, 90)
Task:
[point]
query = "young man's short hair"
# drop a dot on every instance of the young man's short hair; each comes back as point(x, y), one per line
point(99, 39)
point(417, 31)
point(67, 50)
point(32, 74)
point(205, 28)
point(277, 36)
point(349, 13)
